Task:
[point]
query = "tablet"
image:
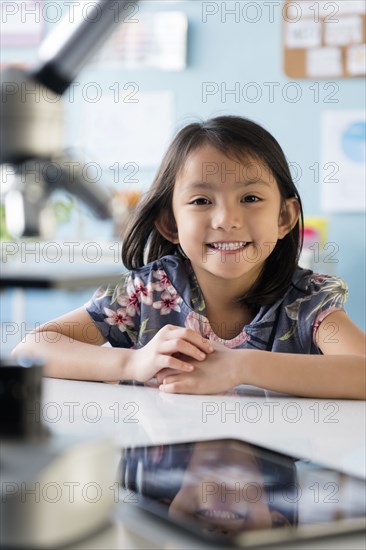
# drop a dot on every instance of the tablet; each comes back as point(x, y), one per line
point(231, 492)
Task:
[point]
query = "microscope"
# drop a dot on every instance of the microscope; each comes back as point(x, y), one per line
point(31, 127)
point(49, 483)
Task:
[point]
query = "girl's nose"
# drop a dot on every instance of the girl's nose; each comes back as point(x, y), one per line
point(226, 217)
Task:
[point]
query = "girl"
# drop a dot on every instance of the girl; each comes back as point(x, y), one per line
point(214, 286)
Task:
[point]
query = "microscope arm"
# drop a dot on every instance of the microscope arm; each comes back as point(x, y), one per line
point(65, 50)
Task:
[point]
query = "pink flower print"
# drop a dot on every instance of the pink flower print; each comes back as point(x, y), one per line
point(119, 318)
point(168, 303)
point(131, 303)
point(317, 278)
point(164, 283)
point(143, 292)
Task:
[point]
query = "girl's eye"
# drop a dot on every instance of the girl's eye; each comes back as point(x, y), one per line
point(251, 198)
point(200, 201)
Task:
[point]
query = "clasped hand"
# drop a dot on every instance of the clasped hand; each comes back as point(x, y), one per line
point(184, 362)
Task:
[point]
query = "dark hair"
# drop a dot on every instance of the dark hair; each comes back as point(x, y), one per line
point(236, 137)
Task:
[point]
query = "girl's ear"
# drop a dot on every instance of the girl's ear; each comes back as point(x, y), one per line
point(167, 227)
point(289, 215)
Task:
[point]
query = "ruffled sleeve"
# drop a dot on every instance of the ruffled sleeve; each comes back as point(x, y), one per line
point(324, 295)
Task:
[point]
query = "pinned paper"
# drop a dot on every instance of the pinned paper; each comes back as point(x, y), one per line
point(348, 30)
point(152, 40)
point(351, 6)
point(324, 39)
point(356, 59)
point(303, 34)
point(324, 62)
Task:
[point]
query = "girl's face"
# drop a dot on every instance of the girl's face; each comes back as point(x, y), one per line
point(229, 216)
point(223, 488)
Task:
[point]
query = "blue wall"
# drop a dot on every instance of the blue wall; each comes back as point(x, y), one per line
point(226, 52)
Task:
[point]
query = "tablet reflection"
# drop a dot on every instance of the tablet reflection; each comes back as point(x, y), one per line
point(223, 487)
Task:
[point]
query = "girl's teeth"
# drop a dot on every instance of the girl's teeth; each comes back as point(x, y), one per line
point(228, 246)
point(219, 514)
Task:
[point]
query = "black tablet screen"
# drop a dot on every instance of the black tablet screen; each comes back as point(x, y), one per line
point(224, 488)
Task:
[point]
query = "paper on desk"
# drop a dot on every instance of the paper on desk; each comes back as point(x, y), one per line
point(136, 130)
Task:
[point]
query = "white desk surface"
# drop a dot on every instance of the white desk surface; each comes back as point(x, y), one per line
point(331, 432)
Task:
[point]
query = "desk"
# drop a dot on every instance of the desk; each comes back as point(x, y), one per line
point(328, 431)
point(54, 266)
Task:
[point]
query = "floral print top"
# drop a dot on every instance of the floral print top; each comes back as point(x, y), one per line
point(166, 291)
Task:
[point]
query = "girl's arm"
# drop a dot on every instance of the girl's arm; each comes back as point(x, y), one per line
point(71, 347)
point(339, 373)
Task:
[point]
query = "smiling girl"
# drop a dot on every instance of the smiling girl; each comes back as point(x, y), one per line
point(214, 287)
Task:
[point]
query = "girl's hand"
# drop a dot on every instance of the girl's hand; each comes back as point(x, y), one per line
point(218, 373)
point(165, 351)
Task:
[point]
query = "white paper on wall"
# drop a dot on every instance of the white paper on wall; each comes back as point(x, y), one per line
point(356, 59)
point(325, 9)
point(302, 34)
point(348, 30)
point(135, 131)
point(323, 62)
point(351, 6)
point(343, 161)
point(149, 40)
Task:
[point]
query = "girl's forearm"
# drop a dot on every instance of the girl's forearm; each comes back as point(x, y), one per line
point(322, 376)
point(64, 357)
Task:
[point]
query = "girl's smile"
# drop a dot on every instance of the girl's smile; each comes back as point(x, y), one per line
point(228, 247)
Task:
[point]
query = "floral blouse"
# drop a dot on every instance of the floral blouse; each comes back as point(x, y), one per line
point(166, 291)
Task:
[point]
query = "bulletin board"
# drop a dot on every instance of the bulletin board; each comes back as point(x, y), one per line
point(323, 39)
